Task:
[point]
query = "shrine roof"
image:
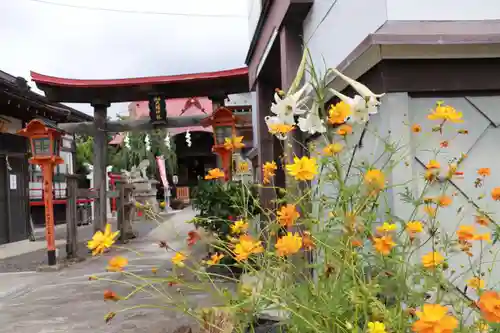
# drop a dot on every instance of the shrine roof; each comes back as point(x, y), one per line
point(218, 84)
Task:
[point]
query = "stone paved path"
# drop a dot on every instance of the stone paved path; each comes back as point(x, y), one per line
point(67, 301)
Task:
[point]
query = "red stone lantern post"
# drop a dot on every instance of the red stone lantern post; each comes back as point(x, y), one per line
point(223, 122)
point(45, 147)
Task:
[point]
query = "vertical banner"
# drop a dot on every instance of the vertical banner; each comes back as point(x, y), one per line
point(160, 161)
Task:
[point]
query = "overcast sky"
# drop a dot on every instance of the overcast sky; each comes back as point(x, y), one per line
point(84, 43)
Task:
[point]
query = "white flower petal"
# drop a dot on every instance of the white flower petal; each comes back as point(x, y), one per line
point(361, 89)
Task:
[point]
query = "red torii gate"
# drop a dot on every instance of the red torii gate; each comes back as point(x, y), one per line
point(101, 93)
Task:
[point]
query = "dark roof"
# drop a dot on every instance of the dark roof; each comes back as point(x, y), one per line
point(18, 89)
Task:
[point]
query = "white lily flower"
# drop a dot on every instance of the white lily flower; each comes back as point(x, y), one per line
point(360, 88)
point(312, 123)
point(290, 106)
point(361, 108)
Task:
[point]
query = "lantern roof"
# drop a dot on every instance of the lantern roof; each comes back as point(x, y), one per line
point(38, 127)
point(221, 114)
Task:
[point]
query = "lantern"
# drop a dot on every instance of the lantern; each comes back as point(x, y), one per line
point(224, 125)
point(45, 148)
point(45, 141)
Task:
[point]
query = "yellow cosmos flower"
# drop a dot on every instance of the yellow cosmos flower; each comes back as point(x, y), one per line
point(239, 226)
point(476, 283)
point(445, 112)
point(247, 246)
point(333, 149)
point(338, 113)
point(243, 167)
point(215, 259)
point(376, 327)
point(483, 237)
point(466, 232)
point(414, 227)
point(101, 241)
point(233, 143)
point(433, 164)
point(375, 180)
point(289, 244)
point(178, 259)
point(215, 174)
point(304, 168)
point(432, 259)
point(287, 215)
point(116, 264)
point(281, 129)
point(387, 227)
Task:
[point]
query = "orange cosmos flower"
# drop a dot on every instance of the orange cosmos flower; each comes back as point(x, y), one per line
point(110, 295)
point(476, 283)
point(307, 241)
point(432, 259)
point(482, 220)
point(247, 246)
point(484, 172)
point(289, 244)
point(384, 244)
point(215, 174)
point(215, 259)
point(489, 304)
point(269, 171)
point(466, 232)
point(116, 264)
point(192, 238)
point(434, 318)
point(443, 201)
point(356, 243)
point(344, 130)
point(433, 164)
point(375, 180)
point(287, 215)
point(495, 194)
point(416, 128)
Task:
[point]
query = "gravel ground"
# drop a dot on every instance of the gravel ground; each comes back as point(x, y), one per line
point(30, 261)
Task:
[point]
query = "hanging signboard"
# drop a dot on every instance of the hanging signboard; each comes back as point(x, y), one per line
point(157, 109)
